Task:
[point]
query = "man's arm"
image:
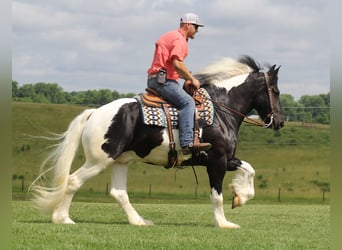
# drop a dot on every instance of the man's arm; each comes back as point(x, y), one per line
point(184, 73)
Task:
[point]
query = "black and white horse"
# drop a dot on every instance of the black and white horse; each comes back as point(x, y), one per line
point(235, 86)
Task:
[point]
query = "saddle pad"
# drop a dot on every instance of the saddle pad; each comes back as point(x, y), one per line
point(156, 116)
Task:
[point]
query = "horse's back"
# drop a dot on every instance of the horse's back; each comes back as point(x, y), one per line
point(98, 124)
point(103, 115)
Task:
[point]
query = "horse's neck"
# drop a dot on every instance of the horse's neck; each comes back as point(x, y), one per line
point(235, 99)
point(233, 104)
point(240, 102)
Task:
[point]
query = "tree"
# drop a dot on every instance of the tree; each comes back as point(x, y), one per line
point(89, 97)
point(115, 95)
point(312, 101)
point(130, 95)
point(51, 91)
point(104, 96)
point(309, 108)
point(318, 107)
point(15, 89)
point(326, 99)
point(292, 110)
point(27, 92)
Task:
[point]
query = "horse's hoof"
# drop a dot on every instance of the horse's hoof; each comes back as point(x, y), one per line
point(64, 221)
point(236, 201)
point(143, 222)
point(148, 223)
point(230, 225)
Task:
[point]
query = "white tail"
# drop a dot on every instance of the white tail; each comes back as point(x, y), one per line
point(46, 196)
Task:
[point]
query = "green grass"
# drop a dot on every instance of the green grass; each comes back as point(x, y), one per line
point(296, 160)
point(184, 226)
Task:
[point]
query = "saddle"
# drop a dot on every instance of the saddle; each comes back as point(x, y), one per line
point(151, 100)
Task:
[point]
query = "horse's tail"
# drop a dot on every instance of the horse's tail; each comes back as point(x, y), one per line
point(48, 192)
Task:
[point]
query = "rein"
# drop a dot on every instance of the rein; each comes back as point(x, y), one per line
point(246, 118)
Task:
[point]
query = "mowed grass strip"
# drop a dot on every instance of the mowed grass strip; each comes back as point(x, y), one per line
point(185, 226)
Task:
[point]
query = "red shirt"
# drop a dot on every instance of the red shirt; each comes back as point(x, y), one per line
point(170, 45)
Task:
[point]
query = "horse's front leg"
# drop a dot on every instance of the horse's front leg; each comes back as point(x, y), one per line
point(219, 217)
point(243, 184)
point(216, 174)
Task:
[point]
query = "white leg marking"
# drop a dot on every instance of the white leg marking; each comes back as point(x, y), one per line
point(119, 192)
point(243, 184)
point(219, 217)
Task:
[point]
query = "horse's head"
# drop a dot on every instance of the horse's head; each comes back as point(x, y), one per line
point(268, 102)
point(238, 86)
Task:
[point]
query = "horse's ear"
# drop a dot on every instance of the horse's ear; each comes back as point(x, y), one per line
point(274, 70)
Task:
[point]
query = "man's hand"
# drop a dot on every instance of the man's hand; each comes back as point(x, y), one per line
point(195, 83)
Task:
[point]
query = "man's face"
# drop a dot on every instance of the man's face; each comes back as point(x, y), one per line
point(192, 30)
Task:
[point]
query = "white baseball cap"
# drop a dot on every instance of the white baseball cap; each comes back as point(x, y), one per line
point(191, 18)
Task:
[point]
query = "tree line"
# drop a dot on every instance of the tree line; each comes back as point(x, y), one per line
point(315, 108)
point(52, 93)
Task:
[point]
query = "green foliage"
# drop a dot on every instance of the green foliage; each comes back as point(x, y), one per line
point(325, 186)
point(261, 182)
point(52, 93)
point(312, 109)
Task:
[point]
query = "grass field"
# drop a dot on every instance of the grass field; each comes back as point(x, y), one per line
point(185, 226)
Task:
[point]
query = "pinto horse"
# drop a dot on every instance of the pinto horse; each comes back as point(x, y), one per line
point(114, 134)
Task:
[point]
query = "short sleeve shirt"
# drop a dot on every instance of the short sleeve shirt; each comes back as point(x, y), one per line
point(169, 46)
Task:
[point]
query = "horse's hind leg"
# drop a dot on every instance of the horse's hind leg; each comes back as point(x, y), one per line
point(60, 214)
point(119, 192)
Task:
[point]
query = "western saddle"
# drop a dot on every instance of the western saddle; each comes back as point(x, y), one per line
point(153, 99)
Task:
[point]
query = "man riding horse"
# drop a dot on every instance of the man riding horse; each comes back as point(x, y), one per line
point(116, 134)
point(167, 67)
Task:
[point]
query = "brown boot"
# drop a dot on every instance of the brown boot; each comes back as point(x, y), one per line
point(203, 146)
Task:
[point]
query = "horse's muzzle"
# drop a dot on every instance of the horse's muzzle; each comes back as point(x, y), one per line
point(278, 125)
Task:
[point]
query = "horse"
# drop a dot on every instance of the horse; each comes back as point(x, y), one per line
point(114, 135)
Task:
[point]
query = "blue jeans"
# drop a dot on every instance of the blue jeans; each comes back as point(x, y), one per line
point(173, 92)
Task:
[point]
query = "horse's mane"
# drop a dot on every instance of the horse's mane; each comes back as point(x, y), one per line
point(227, 68)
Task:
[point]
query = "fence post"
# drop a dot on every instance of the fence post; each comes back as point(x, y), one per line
point(279, 194)
point(107, 189)
point(323, 195)
point(196, 191)
point(150, 191)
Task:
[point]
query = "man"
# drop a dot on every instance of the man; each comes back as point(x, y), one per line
point(167, 67)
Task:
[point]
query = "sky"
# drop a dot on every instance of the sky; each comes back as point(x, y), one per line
point(109, 44)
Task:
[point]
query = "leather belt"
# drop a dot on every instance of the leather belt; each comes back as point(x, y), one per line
point(152, 76)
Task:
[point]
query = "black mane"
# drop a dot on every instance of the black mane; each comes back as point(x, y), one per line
point(248, 60)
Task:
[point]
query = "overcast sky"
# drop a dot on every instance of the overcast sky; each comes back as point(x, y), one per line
point(109, 44)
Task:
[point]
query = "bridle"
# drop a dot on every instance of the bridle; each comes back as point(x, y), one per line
point(248, 119)
point(271, 100)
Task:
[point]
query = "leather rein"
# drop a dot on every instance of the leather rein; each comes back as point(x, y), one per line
point(248, 119)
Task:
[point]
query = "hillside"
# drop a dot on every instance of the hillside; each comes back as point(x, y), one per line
point(294, 160)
